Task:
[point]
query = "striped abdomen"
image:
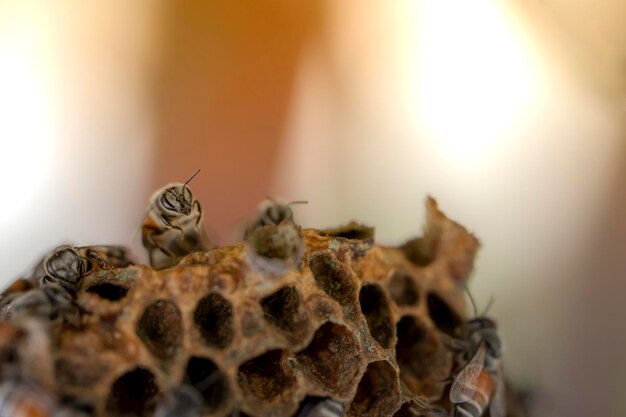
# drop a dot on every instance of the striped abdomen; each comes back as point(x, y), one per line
point(327, 407)
point(477, 404)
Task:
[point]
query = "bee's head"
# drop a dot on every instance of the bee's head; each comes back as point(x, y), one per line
point(177, 199)
point(481, 323)
point(275, 212)
point(65, 263)
point(486, 329)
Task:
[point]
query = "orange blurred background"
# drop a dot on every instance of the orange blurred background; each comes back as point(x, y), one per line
point(510, 113)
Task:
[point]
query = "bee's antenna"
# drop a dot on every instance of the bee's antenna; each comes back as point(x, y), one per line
point(190, 178)
point(489, 304)
point(472, 300)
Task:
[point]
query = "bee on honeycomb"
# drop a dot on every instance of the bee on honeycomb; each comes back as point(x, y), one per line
point(289, 322)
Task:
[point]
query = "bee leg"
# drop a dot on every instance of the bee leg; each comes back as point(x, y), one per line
point(452, 343)
point(199, 219)
point(166, 252)
point(171, 226)
point(152, 243)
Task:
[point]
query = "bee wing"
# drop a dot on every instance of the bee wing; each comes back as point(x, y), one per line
point(497, 407)
point(464, 385)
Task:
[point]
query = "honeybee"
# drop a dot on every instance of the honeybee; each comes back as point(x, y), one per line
point(25, 351)
point(107, 256)
point(22, 399)
point(327, 407)
point(480, 382)
point(51, 302)
point(172, 227)
point(183, 401)
point(272, 211)
point(66, 265)
point(19, 398)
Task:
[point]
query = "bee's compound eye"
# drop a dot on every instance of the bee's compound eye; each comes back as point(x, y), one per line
point(169, 200)
point(187, 196)
point(278, 212)
point(64, 263)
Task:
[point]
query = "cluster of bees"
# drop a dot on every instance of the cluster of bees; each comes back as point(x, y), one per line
point(172, 229)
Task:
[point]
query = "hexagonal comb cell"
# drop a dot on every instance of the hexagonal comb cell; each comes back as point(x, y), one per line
point(133, 394)
point(208, 380)
point(442, 314)
point(267, 376)
point(421, 357)
point(376, 311)
point(332, 358)
point(403, 289)
point(378, 392)
point(108, 291)
point(352, 231)
point(214, 320)
point(333, 277)
point(421, 251)
point(160, 328)
point(282, 307)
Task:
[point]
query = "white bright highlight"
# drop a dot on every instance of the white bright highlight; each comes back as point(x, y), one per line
point(474, 77)
point(25, 131)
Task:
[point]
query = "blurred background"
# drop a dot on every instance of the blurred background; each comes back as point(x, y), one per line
point(511, 113)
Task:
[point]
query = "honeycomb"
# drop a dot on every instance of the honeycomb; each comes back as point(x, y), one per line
point(258, 328)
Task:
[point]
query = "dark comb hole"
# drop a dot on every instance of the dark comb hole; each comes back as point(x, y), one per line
point(161, 328)
point(421, 251)
point(333, 278)
point(332, 358)
point(403, 289)
point(208, 380)
point(133, 394)
point(351, 231)
point(377, 393)
point(376, 311)
point(214, 320)
point(442, 315)
point(281, 308)
point(267, 376)
point(419, 355)
point(108, 291)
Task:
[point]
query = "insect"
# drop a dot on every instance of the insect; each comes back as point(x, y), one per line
point(51, 302)
point(183, 401)
point(107, 256)
point(272, 211)
point(19, 398)
point(480, 382)
point(25, 351)
point(172, 227)
point(318, 407)
point(66, 265)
